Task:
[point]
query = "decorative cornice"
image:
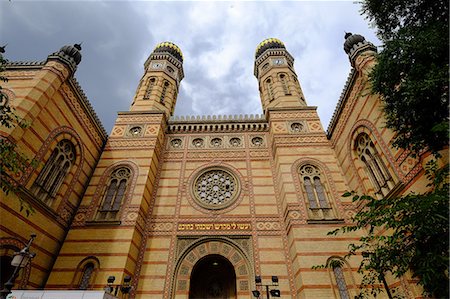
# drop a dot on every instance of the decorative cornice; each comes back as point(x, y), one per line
point(24, 64)
point(342, 100)
point(217, 118)
point(88, 107)
point(218, 123)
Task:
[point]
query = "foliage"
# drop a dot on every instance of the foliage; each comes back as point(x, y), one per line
point(12, 161)
point(412, 69)
point(406, 233)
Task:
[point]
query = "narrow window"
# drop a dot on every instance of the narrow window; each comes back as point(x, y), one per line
point(86, 276)
point(375, 168)
point(114, 194)
point(148, 92)
point(313, 186)
point(270, 89)
point(284, 84)
point(164, 91)
point(340, 281)
point(54, 172)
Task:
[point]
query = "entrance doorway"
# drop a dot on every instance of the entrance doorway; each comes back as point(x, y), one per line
point(213, 277)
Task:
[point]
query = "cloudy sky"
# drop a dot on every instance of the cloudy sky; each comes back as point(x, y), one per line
point(218, 40)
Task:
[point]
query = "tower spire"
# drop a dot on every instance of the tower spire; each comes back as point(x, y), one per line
point(278, 83)
point(158, 88)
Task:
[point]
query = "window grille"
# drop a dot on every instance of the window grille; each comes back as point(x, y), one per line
point(375, 168)
point(86, 276)
point(340, 281)
point(315, 192)
point(114, 194)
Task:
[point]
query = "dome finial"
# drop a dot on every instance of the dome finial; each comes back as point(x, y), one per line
point(2, 49)
point(171, 48)
point(268, 43)
point(351, 40)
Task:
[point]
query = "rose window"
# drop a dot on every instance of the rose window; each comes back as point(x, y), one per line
point(215, 188)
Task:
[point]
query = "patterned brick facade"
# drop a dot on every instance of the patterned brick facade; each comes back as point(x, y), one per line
point(275, 224)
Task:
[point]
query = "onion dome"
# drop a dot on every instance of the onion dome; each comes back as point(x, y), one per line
point(351, 40)
point(171, 48)
point(73, 52)
point(270, 43)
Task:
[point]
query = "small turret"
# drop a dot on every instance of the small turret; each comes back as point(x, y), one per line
point(69, 55)
point(355, 45)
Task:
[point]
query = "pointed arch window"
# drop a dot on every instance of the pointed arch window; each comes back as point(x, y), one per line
point(375, 168)
point(270, 89)
point(46, 185)
point(114, 194)
point(313, 186)
point(151, 84)
point(284, 84)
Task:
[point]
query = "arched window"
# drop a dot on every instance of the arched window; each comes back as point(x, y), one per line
point(375, 168)
point(313, 186)
point(269, 89)
point(340, 280)
point(148, 92)
point(86, 275)
point(55, 170)
point(114, 193)
point(284, 84)
point(164, 91)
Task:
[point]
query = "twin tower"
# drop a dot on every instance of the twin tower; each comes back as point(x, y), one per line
point(274, 69)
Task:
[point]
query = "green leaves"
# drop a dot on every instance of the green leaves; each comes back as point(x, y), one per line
point(12, 161)
point(412, 70)
point(406, 233)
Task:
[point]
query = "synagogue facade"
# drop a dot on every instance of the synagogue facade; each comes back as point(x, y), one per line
point(196, 207)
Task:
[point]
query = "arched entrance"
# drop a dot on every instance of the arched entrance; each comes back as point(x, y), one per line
point(213, 277)
point(197, 256)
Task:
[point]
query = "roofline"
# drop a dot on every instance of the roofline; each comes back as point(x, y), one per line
point(341, 103)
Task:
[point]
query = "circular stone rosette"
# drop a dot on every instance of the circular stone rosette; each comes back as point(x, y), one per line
point(215, 188)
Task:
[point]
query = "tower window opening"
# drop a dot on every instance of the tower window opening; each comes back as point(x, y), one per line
point(284, 84)
point(270, 89)
point(148, 92)
point(164, 91)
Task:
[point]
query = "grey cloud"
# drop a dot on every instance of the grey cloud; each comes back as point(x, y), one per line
point(118, 37)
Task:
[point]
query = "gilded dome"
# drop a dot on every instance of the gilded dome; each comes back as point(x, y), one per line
point(269, 43)
point(171, 48)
